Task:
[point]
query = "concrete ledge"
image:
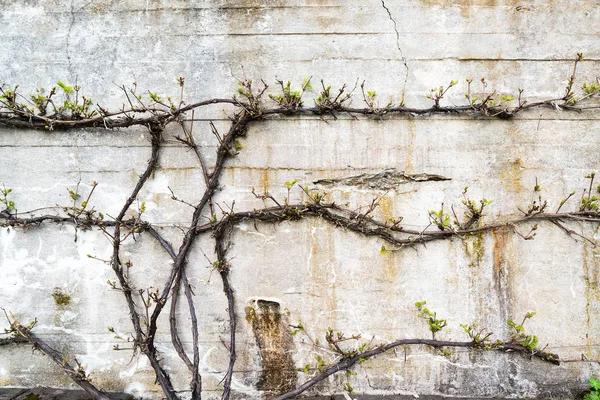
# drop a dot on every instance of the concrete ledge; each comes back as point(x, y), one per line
point(44, 393)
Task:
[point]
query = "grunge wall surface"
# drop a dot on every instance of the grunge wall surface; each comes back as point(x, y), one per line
point(311, 270)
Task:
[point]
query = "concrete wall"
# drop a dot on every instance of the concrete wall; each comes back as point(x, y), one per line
point(316, 273)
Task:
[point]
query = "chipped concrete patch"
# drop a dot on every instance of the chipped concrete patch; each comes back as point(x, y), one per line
point(385, 180)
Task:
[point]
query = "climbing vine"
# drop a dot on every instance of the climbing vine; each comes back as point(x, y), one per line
point(66, 108)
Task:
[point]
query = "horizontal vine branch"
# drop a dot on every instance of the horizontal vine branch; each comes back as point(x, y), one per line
point(348, 362)
point(356, 222)
point(33, 111)
point(12, 340)
point(330, 212)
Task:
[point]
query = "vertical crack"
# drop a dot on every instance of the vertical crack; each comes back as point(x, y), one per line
point(72, 23)
point(399, 49)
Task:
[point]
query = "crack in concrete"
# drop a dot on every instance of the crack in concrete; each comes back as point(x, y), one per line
point(399, 49)
point(69, 64)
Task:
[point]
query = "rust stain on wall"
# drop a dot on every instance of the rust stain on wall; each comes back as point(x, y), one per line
point(276, 346)
point(512, 173)
point(500, 271)
point(408, 164)
point(386, 205)
point(255, 177)
point(265, 180)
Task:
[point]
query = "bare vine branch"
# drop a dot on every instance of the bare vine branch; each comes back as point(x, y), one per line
point(348, 362)
point(78, 374)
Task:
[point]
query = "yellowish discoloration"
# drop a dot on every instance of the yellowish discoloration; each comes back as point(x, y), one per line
point(6, 382)
point(386, 207)
point(176, 169)
point(390, 266)
point(110, 383)
point(498, 250)
point(474, 248)
point(259, 178)
point(265, 180)
point(468, 8)
point(474, 3)
point(408, 162)
point(512, 172)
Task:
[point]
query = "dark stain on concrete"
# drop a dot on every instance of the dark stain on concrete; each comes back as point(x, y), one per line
point(276, 347)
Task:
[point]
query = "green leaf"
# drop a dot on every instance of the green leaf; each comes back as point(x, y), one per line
point(320, 362)
point(595, 383)
point(74, 195)
point(348, 388)
point(65, 87)
point(154, 97)
point(238, 144)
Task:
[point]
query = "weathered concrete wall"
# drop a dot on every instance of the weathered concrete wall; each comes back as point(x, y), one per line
point(310, 270)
